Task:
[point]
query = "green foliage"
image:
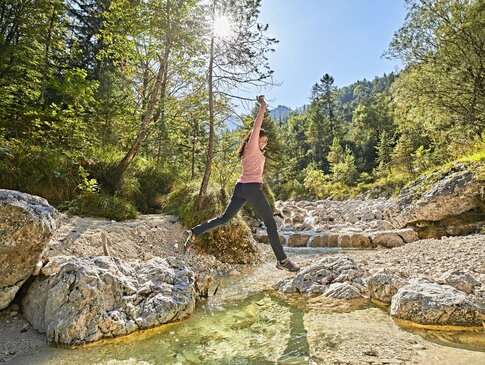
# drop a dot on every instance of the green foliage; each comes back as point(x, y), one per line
point(100, 204)
point(346, 170)
point(47, 172)
point(315, 181)
point(88, 186)
point(336, 154)
point(384, 151)
point(444, 66)
point(154, 183)
point(402, 156)
point(292, 189)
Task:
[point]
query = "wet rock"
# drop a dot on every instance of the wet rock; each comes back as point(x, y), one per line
point(333, 240)
point(102, 297)
point(298, 240)
point(383, 285)
point(320, 240)
point(27, 222)
point(435, 304)
point(318, 277)
point(387, 239)
point(355, 240)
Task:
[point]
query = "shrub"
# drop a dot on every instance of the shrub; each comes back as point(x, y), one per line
point(46, 172)
point(100, 204)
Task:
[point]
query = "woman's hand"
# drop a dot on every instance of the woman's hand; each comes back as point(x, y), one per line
point(261, 101)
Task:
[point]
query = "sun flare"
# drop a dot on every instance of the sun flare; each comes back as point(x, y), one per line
point(222, 26)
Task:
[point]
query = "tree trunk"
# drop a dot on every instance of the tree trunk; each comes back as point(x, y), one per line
point(210, 148)
point(192, 168)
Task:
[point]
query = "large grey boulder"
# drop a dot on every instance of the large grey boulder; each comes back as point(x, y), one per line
point(322, 276)
point(27, 222)
point(101, 297)
point(436, 196)
point(429, 303)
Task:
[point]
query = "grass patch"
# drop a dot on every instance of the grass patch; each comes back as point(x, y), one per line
point(100, 204)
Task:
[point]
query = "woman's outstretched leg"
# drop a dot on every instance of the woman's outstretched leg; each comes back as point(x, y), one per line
point(232, 208)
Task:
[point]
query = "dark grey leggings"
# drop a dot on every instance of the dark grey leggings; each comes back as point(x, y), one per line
point(254, 194)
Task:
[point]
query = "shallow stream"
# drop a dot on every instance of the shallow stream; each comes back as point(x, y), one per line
point(247, 322)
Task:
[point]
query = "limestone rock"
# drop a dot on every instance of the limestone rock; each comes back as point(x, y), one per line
point(407, 234)
point(355, 240)
point(320, 240)
point(450, 195)
point(343, 290)
point(318, 277)
point(27, 223)
point(101, 297)
point(383, 285)
point(261, 236)
point(435, 304)
point(387, 239)
point(460, 280)
point(298, 240)
point(54, 264)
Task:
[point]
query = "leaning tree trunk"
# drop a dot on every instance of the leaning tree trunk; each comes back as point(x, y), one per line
point(115, 175)
point(210, 148)
point(114, 178)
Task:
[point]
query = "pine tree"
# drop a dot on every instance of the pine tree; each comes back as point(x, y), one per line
point(336, 154)
point(402, 156)
point(384, 151)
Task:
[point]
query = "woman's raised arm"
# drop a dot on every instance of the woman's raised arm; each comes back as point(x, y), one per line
point(254, 138)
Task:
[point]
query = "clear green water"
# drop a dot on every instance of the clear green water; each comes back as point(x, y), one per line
point(249, 323)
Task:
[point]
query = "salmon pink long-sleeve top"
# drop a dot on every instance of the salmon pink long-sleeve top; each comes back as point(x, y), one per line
point(253, 159)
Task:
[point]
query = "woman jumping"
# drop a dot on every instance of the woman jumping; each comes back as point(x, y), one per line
point(249, 188)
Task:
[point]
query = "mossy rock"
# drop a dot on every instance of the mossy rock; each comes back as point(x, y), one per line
point(232, 243)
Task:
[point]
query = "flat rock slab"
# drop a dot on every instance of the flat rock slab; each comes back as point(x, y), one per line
point(429, 303)
point(102, 297)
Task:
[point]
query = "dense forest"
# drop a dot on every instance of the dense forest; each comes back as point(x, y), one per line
point(115, 107)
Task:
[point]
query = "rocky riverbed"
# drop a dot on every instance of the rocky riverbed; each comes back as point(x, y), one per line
point(425, 258)
point(135, 263)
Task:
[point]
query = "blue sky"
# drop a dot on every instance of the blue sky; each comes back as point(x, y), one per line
point(344, 38)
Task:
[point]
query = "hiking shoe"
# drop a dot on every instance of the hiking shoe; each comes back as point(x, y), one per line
point(186, 241)
point(286, 264)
